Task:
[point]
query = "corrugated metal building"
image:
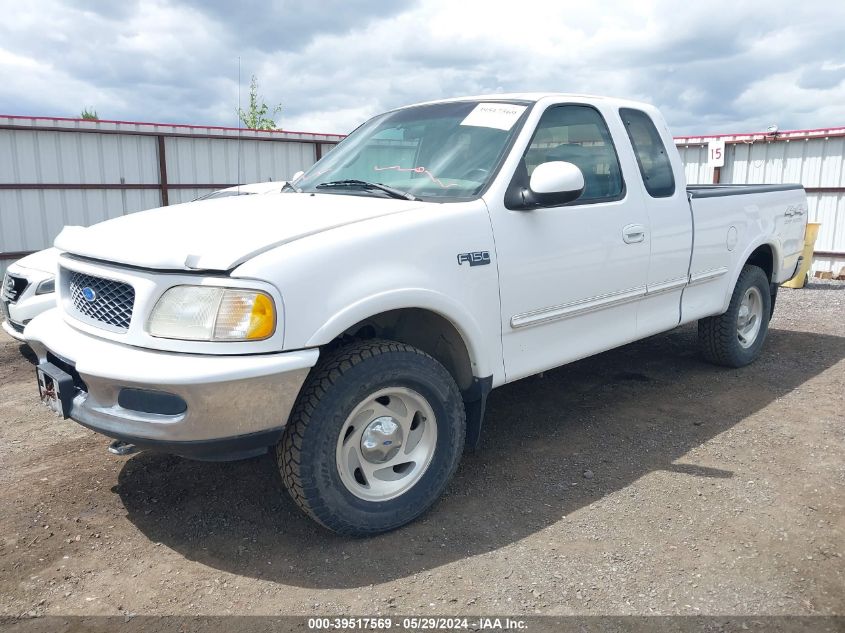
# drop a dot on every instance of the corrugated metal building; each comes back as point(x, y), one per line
point(814, 158)
point(56, 171)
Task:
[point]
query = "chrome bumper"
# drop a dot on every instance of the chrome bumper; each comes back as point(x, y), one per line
point(234, 406)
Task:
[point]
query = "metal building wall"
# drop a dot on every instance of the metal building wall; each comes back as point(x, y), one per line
point(814, 158)
point(55, 172)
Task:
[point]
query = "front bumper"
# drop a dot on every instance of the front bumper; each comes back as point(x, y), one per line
point(14, 330)
point(235, 406)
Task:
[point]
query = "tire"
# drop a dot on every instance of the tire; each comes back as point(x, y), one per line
point(731, 339)
point(332, 478)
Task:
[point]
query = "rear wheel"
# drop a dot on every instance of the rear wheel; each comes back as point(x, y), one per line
point(735, 338)
point(374, 438)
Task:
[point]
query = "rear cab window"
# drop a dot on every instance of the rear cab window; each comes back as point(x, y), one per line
point(655, 168)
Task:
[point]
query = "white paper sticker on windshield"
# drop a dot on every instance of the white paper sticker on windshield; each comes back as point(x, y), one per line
point(501, 116)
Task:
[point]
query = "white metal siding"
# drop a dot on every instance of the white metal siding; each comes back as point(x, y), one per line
point(30, 157)
point(696, 169)
point(204, 161)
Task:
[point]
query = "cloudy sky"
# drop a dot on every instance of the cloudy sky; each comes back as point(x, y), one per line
point(711, 66)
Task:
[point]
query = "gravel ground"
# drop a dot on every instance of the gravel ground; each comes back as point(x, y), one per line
point(640, 481)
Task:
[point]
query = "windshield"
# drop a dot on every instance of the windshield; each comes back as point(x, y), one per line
point(445, 151)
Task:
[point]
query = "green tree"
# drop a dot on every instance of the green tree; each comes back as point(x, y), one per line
point(90, 115)
point(255, 116)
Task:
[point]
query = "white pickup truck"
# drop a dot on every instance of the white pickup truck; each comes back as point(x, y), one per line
point(356, 322)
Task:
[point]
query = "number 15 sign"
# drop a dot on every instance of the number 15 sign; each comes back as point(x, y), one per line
point(716, 153)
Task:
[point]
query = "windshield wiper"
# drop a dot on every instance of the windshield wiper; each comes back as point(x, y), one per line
point(363, 184)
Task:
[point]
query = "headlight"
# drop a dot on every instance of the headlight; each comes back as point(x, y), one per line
point(206, 313)
point(47, 286)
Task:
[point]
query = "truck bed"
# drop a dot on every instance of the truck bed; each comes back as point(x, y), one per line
point(730, 222)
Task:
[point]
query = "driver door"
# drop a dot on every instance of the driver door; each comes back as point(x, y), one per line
point(571, 276)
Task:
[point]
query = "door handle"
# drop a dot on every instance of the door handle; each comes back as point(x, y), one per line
point(633, 233)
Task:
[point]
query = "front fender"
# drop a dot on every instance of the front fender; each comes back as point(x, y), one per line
point(332, 280)
point(420, 298)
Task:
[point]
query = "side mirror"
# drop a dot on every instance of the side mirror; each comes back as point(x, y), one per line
point(555, 183)
point(297, 176)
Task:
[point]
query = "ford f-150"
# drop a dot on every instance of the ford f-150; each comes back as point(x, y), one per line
point(355, 323)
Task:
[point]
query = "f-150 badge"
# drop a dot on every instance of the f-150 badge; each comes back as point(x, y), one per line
point(478, 258)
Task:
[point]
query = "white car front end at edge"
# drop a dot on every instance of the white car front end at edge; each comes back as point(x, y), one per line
point(28, 290)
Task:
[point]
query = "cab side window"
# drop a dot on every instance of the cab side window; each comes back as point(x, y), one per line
point(652, 158)
point(578, 135)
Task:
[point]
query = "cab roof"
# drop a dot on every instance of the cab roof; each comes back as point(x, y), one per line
point(533, 97)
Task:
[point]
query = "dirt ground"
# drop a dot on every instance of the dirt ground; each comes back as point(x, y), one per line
point(640, 481)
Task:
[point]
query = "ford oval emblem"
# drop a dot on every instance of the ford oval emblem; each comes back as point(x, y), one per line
point(89, 294)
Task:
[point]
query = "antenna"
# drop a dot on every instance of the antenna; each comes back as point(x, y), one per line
point(238, 182)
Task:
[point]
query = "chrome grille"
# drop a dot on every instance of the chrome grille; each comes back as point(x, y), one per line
point(103, 301)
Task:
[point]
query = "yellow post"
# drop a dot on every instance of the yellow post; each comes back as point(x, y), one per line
point(800, 277)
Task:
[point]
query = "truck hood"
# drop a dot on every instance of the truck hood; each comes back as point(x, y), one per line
point(220, 234)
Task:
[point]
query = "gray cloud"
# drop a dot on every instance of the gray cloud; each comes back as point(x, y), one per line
point(718, 67)
point(820, 77)
point(288, 24)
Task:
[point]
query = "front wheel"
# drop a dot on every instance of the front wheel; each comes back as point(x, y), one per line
point(374, 438)
point(735, 338)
